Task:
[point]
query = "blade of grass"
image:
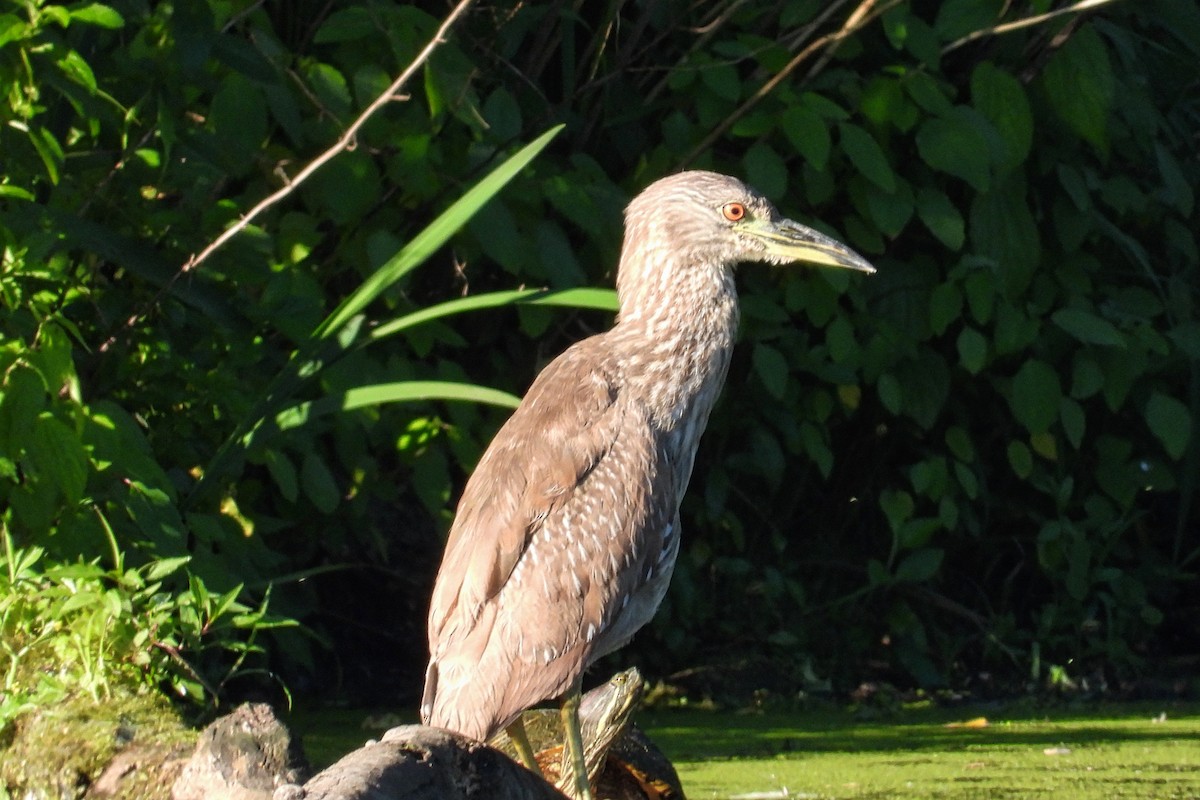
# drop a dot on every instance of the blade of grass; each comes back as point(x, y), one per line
point(597, 299)
point(380, 394)
point(433, 236)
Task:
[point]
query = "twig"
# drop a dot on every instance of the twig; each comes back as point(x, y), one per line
point(344, 142)
point(855, 22)
point(1005, 27)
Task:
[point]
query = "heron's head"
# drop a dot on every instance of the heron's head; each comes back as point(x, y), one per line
point(704, 220)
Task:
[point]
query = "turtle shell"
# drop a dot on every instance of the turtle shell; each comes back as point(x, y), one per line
point(623, 764)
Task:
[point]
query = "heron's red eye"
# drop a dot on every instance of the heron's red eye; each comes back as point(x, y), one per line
point(733, 211)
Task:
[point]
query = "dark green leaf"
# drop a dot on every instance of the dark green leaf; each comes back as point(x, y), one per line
point(898, 507)
point(891, 211)
point(1087, 327)
point(867, 156)
point(972, 350)
point(347, 25)
point(941, 217)
point(808, 133)
point(284, 474)
point(957, 18)
point(945, 306)
point(1079, 83)
point(772, 369)
point(59, 456)
point(1001, 98)
point(956, 144)
point(1020, 458)
point(1035, 396)
point(98, 14)
point(920, 565)
point(1074, 422)
point(503, 115)
point(1003, 230)
point(766, 171)
point(318, 484)
point(1171, 422)
point(23, 398)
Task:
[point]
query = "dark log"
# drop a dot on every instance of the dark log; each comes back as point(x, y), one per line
point(416, 762)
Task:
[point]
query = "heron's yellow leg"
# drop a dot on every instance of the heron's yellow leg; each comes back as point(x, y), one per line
point(574, 744)
point(516, 732)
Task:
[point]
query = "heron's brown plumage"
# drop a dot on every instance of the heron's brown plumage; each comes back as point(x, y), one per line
point(567, 532)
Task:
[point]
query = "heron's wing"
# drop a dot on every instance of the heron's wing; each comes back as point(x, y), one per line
point(568, 420)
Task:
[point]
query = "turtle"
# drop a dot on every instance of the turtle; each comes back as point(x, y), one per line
point(622, 762)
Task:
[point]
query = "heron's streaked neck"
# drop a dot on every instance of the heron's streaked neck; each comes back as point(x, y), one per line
point(676, 325)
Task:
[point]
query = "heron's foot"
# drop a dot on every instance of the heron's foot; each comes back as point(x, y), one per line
point(520, 740)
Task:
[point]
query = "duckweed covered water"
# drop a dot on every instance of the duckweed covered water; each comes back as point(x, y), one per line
point(1132, 752)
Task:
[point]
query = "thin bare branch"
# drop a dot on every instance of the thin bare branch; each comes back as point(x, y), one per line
point(857, 19)
point(345, 142)
point(1006, 27)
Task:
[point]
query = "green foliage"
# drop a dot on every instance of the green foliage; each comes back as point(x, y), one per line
point(983, 457)
point(73, 629)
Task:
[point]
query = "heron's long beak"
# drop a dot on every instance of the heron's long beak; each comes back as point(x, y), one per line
point(794, 242)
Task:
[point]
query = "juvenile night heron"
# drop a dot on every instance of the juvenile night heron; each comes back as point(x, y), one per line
point(567, 532)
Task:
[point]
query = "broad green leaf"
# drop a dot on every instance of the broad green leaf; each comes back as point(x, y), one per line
point(284, 474)
point(920, 565)
point(319, 485)
point(917, 532)
point(78, 70)
point(898, 507)
point(867, 156)
point(959, 442)
point(940, 216)
point(1002, 229)
point(945, 306)
point(1086, 376)
point(433, 236)
point(1171, 422)
point(839, 338)
point(957, 18)
point(98, 14)
point(1178, 190)
point(503, 115)
point(808, 133)
point(890, 393)
point(22, 399)
point(1074, 421)
point(1079, 83)
point(347, 25)
point(891, 211)
point(1087, 327)
point(1020, 458)
point(1045, 445)
point(817, 447)
point(1035, 395)
point(163, 567)
point(59, 456)
point(926, 383)
point(972, 350)
point(772, 369)
point(957, 145)
point(1001, 99)
point(765, 171)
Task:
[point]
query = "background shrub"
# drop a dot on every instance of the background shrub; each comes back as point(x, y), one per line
point(982, 459)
